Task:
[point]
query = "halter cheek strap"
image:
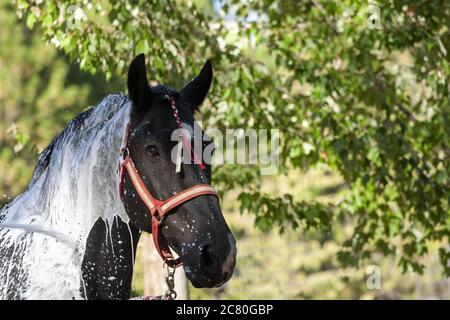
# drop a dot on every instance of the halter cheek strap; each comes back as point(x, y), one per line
point(183, 139)
point(158, 208)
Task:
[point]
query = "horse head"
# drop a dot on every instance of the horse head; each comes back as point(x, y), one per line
point(195, 229)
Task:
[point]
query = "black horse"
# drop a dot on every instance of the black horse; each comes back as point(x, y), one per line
point(69, 235)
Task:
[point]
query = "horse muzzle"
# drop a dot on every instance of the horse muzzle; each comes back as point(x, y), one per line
point(211, 263)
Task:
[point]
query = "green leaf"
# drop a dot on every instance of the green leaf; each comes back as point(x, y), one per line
point(142, 46)
point(31, 19)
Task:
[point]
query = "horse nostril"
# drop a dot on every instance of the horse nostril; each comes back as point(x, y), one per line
point(207, 257)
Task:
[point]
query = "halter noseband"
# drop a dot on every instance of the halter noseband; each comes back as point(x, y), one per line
point(158, 208)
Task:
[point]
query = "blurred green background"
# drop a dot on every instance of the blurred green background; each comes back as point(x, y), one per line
point(298, 265)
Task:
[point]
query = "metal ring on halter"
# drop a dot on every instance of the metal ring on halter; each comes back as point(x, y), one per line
point(124, 152)
point(172, 294)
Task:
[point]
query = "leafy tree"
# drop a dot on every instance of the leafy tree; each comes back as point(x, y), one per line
point(371, 104)
point(39, 93)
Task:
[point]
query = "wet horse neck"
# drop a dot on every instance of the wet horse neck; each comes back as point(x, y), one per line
point(107, 268)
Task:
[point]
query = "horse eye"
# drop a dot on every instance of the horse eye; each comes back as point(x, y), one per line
point(152, 150)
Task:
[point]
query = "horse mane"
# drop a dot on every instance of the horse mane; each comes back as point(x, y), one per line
point(74, 125)
point(73, 185)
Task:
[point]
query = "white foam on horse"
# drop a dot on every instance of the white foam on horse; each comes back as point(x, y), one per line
point(42, 243)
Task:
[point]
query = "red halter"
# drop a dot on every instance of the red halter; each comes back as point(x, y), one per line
point(158, 208)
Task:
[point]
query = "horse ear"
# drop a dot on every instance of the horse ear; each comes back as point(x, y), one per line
point(138, 89)
point(198, 88)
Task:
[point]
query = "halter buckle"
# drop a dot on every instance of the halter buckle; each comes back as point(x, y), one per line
point(124, 152)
